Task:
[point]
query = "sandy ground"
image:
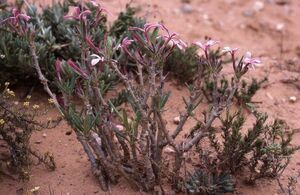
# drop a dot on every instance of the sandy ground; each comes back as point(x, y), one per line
point(270, 29)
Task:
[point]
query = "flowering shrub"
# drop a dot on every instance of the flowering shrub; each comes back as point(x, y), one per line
point(55, 38)
point(17, 123)
point(130, 140)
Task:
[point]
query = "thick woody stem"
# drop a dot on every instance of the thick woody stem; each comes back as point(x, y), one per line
point(129, 87)
point(215, 112)
point(42, 78)
point(90, 154)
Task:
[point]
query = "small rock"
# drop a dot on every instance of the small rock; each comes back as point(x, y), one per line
point(293, 99)
point(279, 27)
point(176, 120)
point(230, 1)
point(242, 26)
point(44, 135)
point(248, 13)
point(270, 96)
point(258, 6)
point(205, 16)
point(176, 11)
point(38, 142)
point(186, 8)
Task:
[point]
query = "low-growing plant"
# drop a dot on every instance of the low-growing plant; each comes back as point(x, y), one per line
point(265, 149)
point(129, 139)
point(290, 187)
point(17, 123)
point(56, 38)
point(208, 178)
point(183, 64)
point(186, 64)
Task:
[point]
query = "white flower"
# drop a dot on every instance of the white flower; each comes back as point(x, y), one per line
point(229, 50)
point(96, 59)
point(205, 46)
point(248, 60)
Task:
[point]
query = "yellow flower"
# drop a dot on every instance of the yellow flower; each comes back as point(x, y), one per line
point(10, 92)
point(35, 106)
point(26, 104)
point(35, 189)
point(28, 97)
point(2, 121)
point(51, 101)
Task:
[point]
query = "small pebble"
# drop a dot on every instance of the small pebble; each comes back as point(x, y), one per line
point(258, 6)
point(293, 99)
point(248, 13)
point(38, 142)
point(44, 135)
point(270, 96)
point(186, 8)
point(176, 11)
point(176, 120)
point(205, 16)
point(279, 27)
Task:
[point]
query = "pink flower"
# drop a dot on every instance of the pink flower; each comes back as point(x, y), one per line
point(58, 68)
point(17, 15)
point(173, 38)
point(125, 43)
point(249, 61)
point(89, 41)
point(100, 7)
point(77, 69)
point(149, 26)
point(205, 47)
point(94, 3)
point(78, 14)
point(179, 43)
point(229, 50)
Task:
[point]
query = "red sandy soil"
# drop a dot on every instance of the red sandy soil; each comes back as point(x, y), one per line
point(272, 33)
